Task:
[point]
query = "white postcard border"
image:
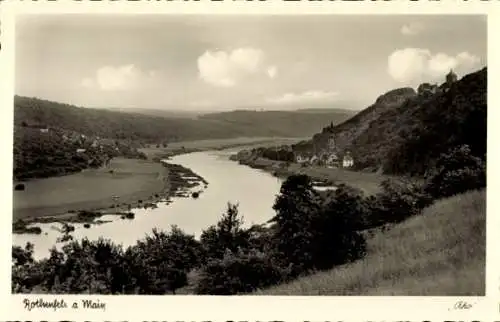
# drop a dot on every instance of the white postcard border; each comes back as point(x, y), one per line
point(262, 308)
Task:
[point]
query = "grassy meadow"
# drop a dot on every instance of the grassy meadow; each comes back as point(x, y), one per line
point(368, 182)
point(442, 251)
point(131, 179)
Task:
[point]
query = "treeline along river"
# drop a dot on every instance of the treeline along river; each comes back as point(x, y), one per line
point(253, 190)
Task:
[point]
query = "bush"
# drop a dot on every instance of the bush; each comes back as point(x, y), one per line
point(34, 230)
point(86, 215)
point(399, 199)
point(456, 171)
point(295, 207)
point(226, 235)
point(19, 187)
point(241, 273)
point(314, 233)
point(335, 229)
point(159, 264)
point(20, 227)
point(22, 256)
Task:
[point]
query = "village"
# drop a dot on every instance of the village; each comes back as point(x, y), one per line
point(328, 157)
point(331, 158)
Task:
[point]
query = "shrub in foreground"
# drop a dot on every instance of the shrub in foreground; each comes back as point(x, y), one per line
point(315, 233)
point(295, 207)
point(239, 273)
point(398, 200)
point(226, 235)
point(456, 171)
point(336, 237)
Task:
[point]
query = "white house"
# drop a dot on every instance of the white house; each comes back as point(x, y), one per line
point(314, 159)
point(80, 150)
point(44, 130)
point(301, 159)
point(348, 161)
point(332, 160)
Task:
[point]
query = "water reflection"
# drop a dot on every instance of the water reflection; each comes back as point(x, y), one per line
point(252, 189)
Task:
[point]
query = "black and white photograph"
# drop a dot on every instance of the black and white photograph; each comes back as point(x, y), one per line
point(268, 155)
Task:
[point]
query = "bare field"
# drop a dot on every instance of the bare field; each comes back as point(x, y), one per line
point(131, 179)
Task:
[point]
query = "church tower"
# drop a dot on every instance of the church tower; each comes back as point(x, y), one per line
point(331, 143)
point(451, 78)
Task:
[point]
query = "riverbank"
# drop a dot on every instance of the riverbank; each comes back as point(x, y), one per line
point(83, 198)
point(116, 189)
point(254, 192)
point(368, 182)
point(176, 148)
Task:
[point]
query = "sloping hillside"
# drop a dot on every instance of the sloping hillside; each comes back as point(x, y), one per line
point(116, 125)
point(346, 131)
point(135, 126)
point(404, 132)
point(442, 251)
point(432, 126)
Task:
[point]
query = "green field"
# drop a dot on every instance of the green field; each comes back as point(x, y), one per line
point(131, 180)
point(441, 252)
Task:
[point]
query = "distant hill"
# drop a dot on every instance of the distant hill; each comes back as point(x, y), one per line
point(48, 135)
point(155, 128)
point(158, 112)
point(287, 123)
point(404, 132)
point(326, 110)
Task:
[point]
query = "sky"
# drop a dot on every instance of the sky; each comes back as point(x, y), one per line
point(201, 63)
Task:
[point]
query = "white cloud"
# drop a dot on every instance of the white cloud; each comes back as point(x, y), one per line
point(226, 69)
point(412, 29)
point(111, 78)
point(309, 97)
point(415, 64)
point(272, 71)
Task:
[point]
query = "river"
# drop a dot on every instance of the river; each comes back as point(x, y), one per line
point(254, 191)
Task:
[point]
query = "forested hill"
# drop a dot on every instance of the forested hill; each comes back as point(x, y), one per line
point(404, 132)
point(136, 126)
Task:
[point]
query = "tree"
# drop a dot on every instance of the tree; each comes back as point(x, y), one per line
point(455, 172)
point(227, 234)
point(238, 273)
point(295, 207)
point(398, 200)
point(160, 263)
point(336, 239)
point(22, 256)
